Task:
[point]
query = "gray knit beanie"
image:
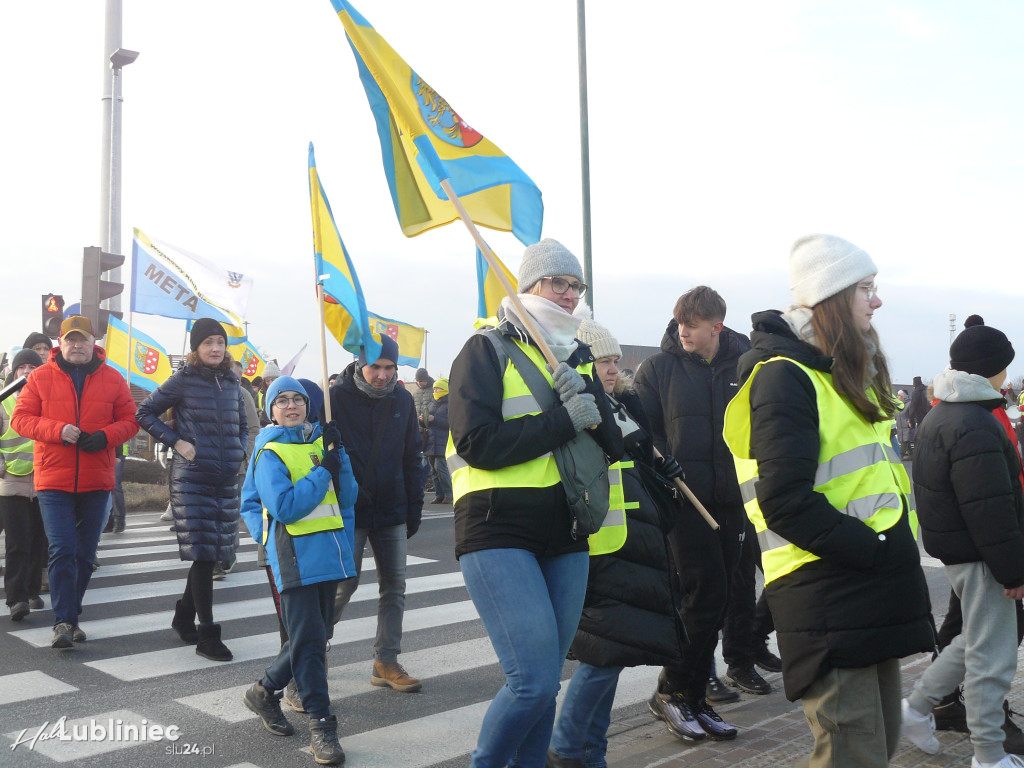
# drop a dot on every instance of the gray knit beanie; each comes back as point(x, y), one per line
point(823, 265)
point(599, 339)
point(548, 258)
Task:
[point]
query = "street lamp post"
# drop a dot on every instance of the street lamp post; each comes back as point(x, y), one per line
point(952, 328)
point(115, 58)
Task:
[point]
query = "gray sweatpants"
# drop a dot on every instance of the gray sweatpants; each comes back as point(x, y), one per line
point(983, 657)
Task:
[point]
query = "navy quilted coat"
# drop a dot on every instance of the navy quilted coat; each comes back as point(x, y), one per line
point(209, 413)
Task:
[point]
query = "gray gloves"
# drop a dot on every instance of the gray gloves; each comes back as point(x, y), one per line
point(567, 381)
point(583, 411)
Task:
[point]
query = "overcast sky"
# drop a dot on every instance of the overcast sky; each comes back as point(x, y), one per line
point(720, 132)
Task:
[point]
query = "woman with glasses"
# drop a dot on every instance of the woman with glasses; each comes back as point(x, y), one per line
point(524, 563)
point(209, 438)
point(829, 499)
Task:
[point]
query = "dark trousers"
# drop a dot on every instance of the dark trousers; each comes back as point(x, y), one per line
point(26, 547)
point(308, 613)
point(738, 636)
point(117, 495)
point(705, 562)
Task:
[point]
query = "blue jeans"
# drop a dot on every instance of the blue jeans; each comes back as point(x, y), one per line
point(442, 478)
point(530, 606)
point(389, 546)
point(581, 732)
point(73, 522)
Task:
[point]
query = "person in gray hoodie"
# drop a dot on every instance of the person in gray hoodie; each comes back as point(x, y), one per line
point(970, 502)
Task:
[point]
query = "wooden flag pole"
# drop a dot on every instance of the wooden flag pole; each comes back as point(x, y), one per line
point(531, 327)
point(323, 348)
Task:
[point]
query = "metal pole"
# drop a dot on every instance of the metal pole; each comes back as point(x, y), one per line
point(425, 333)
point(581, 34)
point(111, 141)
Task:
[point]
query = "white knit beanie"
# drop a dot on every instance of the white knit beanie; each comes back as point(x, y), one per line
point(548, 258)
point(599, 338)
point(823, 265)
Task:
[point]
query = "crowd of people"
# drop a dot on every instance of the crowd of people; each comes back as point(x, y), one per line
point(573, 530)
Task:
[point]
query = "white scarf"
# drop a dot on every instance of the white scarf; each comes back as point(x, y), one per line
point(557, 327)
point(799, 320)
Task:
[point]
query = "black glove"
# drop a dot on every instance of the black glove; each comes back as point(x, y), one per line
point(332, 435)
point(668, 467)
point(92, 442)
point(411, 526)
point(332, 462)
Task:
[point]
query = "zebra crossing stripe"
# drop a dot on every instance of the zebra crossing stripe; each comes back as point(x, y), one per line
point(160, 621)
point(22, 686)
point(354, 679)
point(142, 666)
point(154, 566)
point(170, 587)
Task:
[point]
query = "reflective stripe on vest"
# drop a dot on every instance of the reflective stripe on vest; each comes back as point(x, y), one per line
point(612, 534)
point(858, 471)
point(16, 450)
point(517, 401)
point(299, 459)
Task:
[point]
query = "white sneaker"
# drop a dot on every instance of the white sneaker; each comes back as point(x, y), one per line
point(1008, 761)
point(919, 729)
point(167, 516)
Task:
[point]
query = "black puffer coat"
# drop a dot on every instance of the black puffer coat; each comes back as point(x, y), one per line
point(967, 481)
point(209, 413)
point(866, 600)
point(437, 432)
point(629, 616)
point(685, 399)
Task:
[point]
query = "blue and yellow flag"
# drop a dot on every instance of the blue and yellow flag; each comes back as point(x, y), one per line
point(423, 140)
point(489, 289)
point(244, 352)
point(408, 337)
point(236, 334)
point(148, 362)
point(345, 312)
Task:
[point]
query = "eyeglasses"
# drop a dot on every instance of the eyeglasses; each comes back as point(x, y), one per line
point(560, 285)
point(284, 401)
point(869, 290)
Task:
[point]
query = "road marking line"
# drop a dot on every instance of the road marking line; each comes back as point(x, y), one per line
point(23, 686)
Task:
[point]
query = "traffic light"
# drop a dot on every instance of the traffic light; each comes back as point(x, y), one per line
point(53, 314)
point(95, 289)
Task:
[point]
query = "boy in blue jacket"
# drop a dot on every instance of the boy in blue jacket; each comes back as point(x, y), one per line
point(306, 523)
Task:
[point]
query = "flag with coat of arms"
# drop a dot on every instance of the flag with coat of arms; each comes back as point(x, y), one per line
point(145, 364)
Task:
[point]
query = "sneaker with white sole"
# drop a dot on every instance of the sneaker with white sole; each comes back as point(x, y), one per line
point(919, 729)
point(1009, 761)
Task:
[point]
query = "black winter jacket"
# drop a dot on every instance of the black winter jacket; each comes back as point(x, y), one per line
point(630, 613)
point(866, 600)
point(209, 413)
point(967, 480)
point(437, 432)
point(534, 519)
point(685, 399)
point(391, 491)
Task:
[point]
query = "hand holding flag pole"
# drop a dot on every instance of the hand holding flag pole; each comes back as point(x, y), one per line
point(532, 329)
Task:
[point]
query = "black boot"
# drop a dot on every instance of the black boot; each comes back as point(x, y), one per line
point(323, 741)
point(210, 646)
point(118, 523)
point(267, 704)
point(184, 623)
point(110, 525)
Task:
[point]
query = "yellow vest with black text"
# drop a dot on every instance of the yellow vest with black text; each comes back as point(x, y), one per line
point(517, 401)
point(858, 470)
point(16, 450)
point(612, 534)
point(299, 459)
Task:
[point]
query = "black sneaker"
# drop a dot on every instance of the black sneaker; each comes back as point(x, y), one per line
point(19, 611)
point(950, 714)
point(672, 709)
point(78, 635)
point(323, 741)
point(767, 660)
point(718, 692)
point(267, 705)
point(747, 679)
point(36, 603)
point(1013, 744)
point(715, 727)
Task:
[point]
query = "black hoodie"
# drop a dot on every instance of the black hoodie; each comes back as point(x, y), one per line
point(866, 600)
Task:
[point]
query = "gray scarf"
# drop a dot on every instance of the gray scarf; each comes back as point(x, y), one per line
point(371, 391)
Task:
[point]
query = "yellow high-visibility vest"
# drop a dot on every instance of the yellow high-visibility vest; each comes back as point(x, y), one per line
point(517, 401)
point(299, 459)
point(612, 534)
point(17, 450)
point(858, 470)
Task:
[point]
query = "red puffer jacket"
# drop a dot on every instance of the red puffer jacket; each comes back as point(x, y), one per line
point(48, 401)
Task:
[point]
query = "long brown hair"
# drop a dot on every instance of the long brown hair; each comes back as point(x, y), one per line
point(836, 335)
point(224, 365)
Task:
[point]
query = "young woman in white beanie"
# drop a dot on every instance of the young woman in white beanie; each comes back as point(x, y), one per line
point(829, 499)
point(524, 562)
